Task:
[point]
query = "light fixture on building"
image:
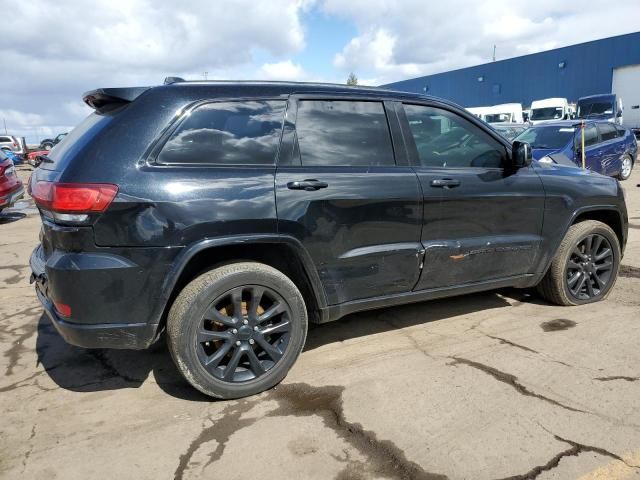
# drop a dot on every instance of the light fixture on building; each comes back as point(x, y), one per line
point(481, 78)
point(562, 64)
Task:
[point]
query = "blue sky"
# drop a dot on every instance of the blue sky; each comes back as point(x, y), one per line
point(102, 43)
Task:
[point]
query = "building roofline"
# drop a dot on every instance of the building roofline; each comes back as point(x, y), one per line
point(543, 52)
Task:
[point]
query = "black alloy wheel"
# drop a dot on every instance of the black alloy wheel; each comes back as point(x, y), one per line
point(590, 267)
point(243, 333)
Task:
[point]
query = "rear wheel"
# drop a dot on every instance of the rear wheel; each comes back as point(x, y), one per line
point(237, 330)
point(625, 167)
point(585, 267)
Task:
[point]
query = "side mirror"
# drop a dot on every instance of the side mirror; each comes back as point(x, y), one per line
point(521, 155)
point(619, 113)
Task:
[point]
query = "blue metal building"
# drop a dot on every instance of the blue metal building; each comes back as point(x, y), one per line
point(568, 72)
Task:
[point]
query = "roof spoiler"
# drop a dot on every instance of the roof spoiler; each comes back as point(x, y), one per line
point(104, 100)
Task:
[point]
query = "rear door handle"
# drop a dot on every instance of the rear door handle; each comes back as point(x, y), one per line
point(445, 183)
point(309, 185)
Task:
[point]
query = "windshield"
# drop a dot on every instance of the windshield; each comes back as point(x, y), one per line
point(497, 117)
point(547, 137)
point(548, 113)
point(595, 108)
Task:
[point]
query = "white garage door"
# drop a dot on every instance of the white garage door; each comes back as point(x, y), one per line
point(626, 85)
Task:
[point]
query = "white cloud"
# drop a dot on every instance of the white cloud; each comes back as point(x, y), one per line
point(399, 40)
point(286, 70)
point(59, 49)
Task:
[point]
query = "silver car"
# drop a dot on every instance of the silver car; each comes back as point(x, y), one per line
point(12, 143)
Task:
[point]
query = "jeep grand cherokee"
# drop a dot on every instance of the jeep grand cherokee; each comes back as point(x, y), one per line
point(229, 214)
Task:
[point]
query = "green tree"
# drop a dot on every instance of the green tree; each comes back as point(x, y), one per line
point(352, 80)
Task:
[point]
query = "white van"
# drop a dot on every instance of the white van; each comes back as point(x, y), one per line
point(550, 109)
point(505, 113)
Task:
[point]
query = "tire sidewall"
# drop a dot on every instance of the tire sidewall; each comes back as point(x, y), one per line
point(621, 176)
point(185, 355)
point(613, 241)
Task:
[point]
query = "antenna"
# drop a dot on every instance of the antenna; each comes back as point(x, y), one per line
point(494, 53)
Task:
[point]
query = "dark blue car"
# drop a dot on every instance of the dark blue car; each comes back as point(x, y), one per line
point(609, 149)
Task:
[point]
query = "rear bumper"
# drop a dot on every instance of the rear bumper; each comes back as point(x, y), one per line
point(9, 198)
point(134, 336)
point(89, 335)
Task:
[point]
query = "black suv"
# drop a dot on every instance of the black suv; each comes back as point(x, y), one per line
point(229, 214)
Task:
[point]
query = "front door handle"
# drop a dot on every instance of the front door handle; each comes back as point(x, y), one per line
point(445, 183)
point(309, 185)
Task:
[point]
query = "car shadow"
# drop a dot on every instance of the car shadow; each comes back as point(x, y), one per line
point(408, 315)
point(90, 370)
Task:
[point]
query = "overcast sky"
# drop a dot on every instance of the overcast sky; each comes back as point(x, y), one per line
point(54, 50)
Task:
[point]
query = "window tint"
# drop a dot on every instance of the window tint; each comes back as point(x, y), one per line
point(5, 139)
point(227, 133)
point(344, 133)
point(444, 139)
point(590, 136)
point(607, 132)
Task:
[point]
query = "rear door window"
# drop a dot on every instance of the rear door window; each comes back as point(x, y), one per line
point(343, 133)
point(607, 131)
point(227, 133)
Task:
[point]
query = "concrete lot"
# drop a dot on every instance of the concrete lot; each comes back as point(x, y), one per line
point(487, 386)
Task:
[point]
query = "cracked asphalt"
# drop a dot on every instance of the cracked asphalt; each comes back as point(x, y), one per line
point(498, 385)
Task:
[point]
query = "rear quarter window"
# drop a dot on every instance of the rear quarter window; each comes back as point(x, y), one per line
point(64, 152)
point(227, 133)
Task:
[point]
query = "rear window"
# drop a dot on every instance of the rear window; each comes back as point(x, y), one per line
point(62, 153)
point(227, 133)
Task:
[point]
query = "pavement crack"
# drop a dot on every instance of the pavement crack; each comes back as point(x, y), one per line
point(510, 380)
point(110, 368)
point(384, 458)
point(574, 450)
point(504, 341)
point(590, 448)
point(617, 377)
point(27, 454)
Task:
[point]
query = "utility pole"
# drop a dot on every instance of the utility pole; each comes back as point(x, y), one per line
point(5, 125)
point(205, 74)
point(494, 53)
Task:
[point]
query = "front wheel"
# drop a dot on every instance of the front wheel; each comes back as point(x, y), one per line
point(237, 329)
point(585, 267)
point(626, 166)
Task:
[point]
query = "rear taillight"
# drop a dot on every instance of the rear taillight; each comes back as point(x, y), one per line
point(73, 201)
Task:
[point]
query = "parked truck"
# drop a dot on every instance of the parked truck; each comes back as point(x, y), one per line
point(604, 106)
point(550, 109)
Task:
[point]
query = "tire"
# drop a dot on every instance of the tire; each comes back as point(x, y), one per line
point(204, 328)
point(626, 166)
point(557, 286)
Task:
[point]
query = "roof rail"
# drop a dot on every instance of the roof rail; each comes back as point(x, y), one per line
point(170, 80)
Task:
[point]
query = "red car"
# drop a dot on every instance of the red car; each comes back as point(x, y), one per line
point(11, 188)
